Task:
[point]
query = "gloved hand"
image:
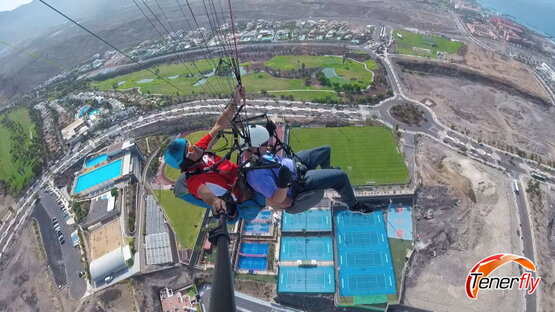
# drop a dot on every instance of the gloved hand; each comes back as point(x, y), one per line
point(218, 206)
point(271, 127)
point(284, 177)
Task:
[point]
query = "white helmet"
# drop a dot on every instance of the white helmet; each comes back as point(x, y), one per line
point(258, 135)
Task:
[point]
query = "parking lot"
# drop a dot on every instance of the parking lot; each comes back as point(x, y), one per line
point(64, 260)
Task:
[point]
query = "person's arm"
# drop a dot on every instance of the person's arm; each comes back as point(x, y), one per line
point(225, 118)
point(218, 205)
point(280, 199)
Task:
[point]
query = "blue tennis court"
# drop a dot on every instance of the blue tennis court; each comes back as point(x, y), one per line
point(365, 263)
point(399, 221)
point(253, 256)
point(294, 279)
point(261, 225)
point(306, 248)
point(253, 263)
point(257, 228)
point(249, 248)
point(309, 221)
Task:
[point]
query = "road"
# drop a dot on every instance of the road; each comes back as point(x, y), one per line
point(506, 162)
point(247, 303)
point(63, 260)
point(432, 128)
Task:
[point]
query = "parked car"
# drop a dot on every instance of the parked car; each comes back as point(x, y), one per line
point(108, 278)
point(62, 241)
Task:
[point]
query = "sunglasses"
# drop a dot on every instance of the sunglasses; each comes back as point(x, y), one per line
point(186, 163)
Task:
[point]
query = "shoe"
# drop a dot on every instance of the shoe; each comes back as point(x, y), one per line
point(338, 168)
point(364, 208)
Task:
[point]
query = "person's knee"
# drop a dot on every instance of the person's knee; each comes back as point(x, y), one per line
point(326, 149)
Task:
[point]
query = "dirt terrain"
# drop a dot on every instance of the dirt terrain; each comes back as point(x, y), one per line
point(542, 209)
point(118, 298)
point(25, 282)
point(499, 66)
point(6, 201)
point(256, 289)
point(464, 213)
point(488, 114)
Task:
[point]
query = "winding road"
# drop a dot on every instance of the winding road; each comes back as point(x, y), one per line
point(431, 127)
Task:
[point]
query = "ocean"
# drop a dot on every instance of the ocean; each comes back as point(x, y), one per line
point(538, 15)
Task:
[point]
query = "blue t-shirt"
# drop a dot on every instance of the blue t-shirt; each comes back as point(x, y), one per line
point(265, 180)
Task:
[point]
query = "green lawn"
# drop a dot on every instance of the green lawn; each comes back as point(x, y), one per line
point(418, 44)
point(398, 249)
point(185, 219)
point(371, 64)
point(171, 173)
point(367, 154)
point(349, 72)
point(257, 277)
point(16, 172)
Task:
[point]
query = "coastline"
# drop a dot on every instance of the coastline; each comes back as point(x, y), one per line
point(490, 10)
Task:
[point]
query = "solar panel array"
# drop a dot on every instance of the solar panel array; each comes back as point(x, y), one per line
point(157, 239)
point(154, 217)
point(158, 249)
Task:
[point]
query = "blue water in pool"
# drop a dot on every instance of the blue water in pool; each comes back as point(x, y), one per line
point(99, 175)
point(96, 160)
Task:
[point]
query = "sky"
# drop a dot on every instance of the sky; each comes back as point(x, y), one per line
point(8, 5)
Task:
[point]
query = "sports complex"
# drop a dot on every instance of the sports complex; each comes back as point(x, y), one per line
point(356, 259)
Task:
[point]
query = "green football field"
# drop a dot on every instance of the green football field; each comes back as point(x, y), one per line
point(424, 45)
point(185, 219)
point(367, 154)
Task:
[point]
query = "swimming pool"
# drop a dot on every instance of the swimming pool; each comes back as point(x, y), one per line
point(310, 220)
point(293, 279)
point(306, 248)
point(365, 264)
point(96, 160)
point(99, 175)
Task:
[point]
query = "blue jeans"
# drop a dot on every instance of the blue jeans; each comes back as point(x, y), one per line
point(324, 178)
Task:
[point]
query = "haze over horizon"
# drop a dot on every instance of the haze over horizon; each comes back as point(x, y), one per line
point(12, 4)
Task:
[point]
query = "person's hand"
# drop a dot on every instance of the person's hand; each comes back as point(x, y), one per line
point(271, 127)
point(218, 206)
point(284, 177)
point(239, 94)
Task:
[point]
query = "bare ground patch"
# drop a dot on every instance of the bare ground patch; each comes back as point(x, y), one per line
point(542, 210)
point(25, 282)
point(501, 67)
point(464, 214)
point(488, 114)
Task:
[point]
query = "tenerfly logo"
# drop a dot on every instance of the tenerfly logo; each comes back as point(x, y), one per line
point(478, 278)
